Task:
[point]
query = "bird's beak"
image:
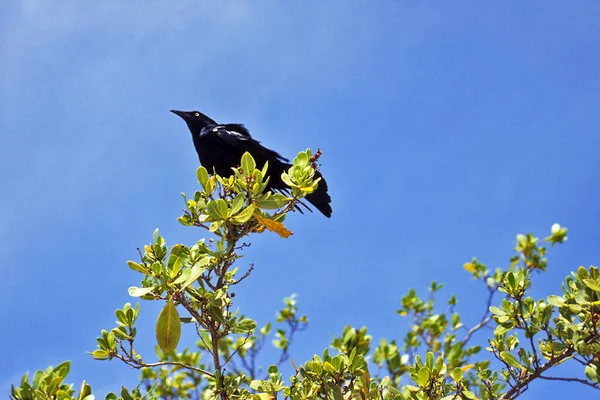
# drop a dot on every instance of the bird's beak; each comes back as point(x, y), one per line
point(182, 114)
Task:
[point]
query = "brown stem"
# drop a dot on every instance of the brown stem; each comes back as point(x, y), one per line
point(217, 361)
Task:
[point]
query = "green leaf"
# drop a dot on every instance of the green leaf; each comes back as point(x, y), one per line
point(246, 325)
point(63, 369)
point(237, 204)
point(168, 328)
point(327, 366)
point(178, 256)
point(100, 354)
point(245, 215)
point(592, 284)
point(197, 270)
point(334, 391)
point(121, 316)
point(302, 159)
point(217, 209)
point(423, 376)
point(385, 381)
point(497, 311)
point(265, 168)
point(429, 359)
point(248, 164)
point(592, 373)
point(285, 177)
point(138, 292)
point(137, 267)
point(510, 359)
point(456, 321)
point(273, 201)
point(185, 274)
point(556, 300)
point(457, 374)
point(510, 280)
point(121, 333)
point(215, 226)
point(202, 175)
point(125, 394)
point(222, 208)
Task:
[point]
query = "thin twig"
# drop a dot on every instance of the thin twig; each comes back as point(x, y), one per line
point(236, 350)
point(140, 364)
point(486, 318)
point(557, 378)
point(476, 328)
point(247, 274)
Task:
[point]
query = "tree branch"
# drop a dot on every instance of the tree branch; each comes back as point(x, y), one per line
point(519, 386)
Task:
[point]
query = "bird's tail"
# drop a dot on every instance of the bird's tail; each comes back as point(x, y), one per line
point(320, 198)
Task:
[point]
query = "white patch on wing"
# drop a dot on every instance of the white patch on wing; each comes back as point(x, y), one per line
point(222, 131)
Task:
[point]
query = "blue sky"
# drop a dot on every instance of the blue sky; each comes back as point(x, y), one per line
point(447, 128)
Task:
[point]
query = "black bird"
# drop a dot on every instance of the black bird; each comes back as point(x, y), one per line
point(220, 147)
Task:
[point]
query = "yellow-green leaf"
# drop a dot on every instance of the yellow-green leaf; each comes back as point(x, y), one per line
point(248, 164)
point(592, 284)
point(245, 215)
point(100, 354)
point(202, 174)
point(457, 374)
point(217, 209)
point(510, 359)
point(423, 376)
point(556, 300)
point(168, 328)
point(592, 373)
point(177, 257)
point(327, 366)
point(138, 292)
point(273, 201)
point(197, 270)
point(237, 204)
point(137, 267)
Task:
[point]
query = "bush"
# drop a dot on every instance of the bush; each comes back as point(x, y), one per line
point(530, 337)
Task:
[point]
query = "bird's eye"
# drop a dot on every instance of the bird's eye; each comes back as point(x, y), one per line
point(196, 114)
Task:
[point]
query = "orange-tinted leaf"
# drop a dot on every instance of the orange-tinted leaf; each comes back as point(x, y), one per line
point(274, 226)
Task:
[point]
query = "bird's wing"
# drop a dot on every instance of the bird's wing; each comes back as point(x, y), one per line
point(237, 136)
point(238, 128)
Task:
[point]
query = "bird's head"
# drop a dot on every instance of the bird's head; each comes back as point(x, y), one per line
point(195, 120)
